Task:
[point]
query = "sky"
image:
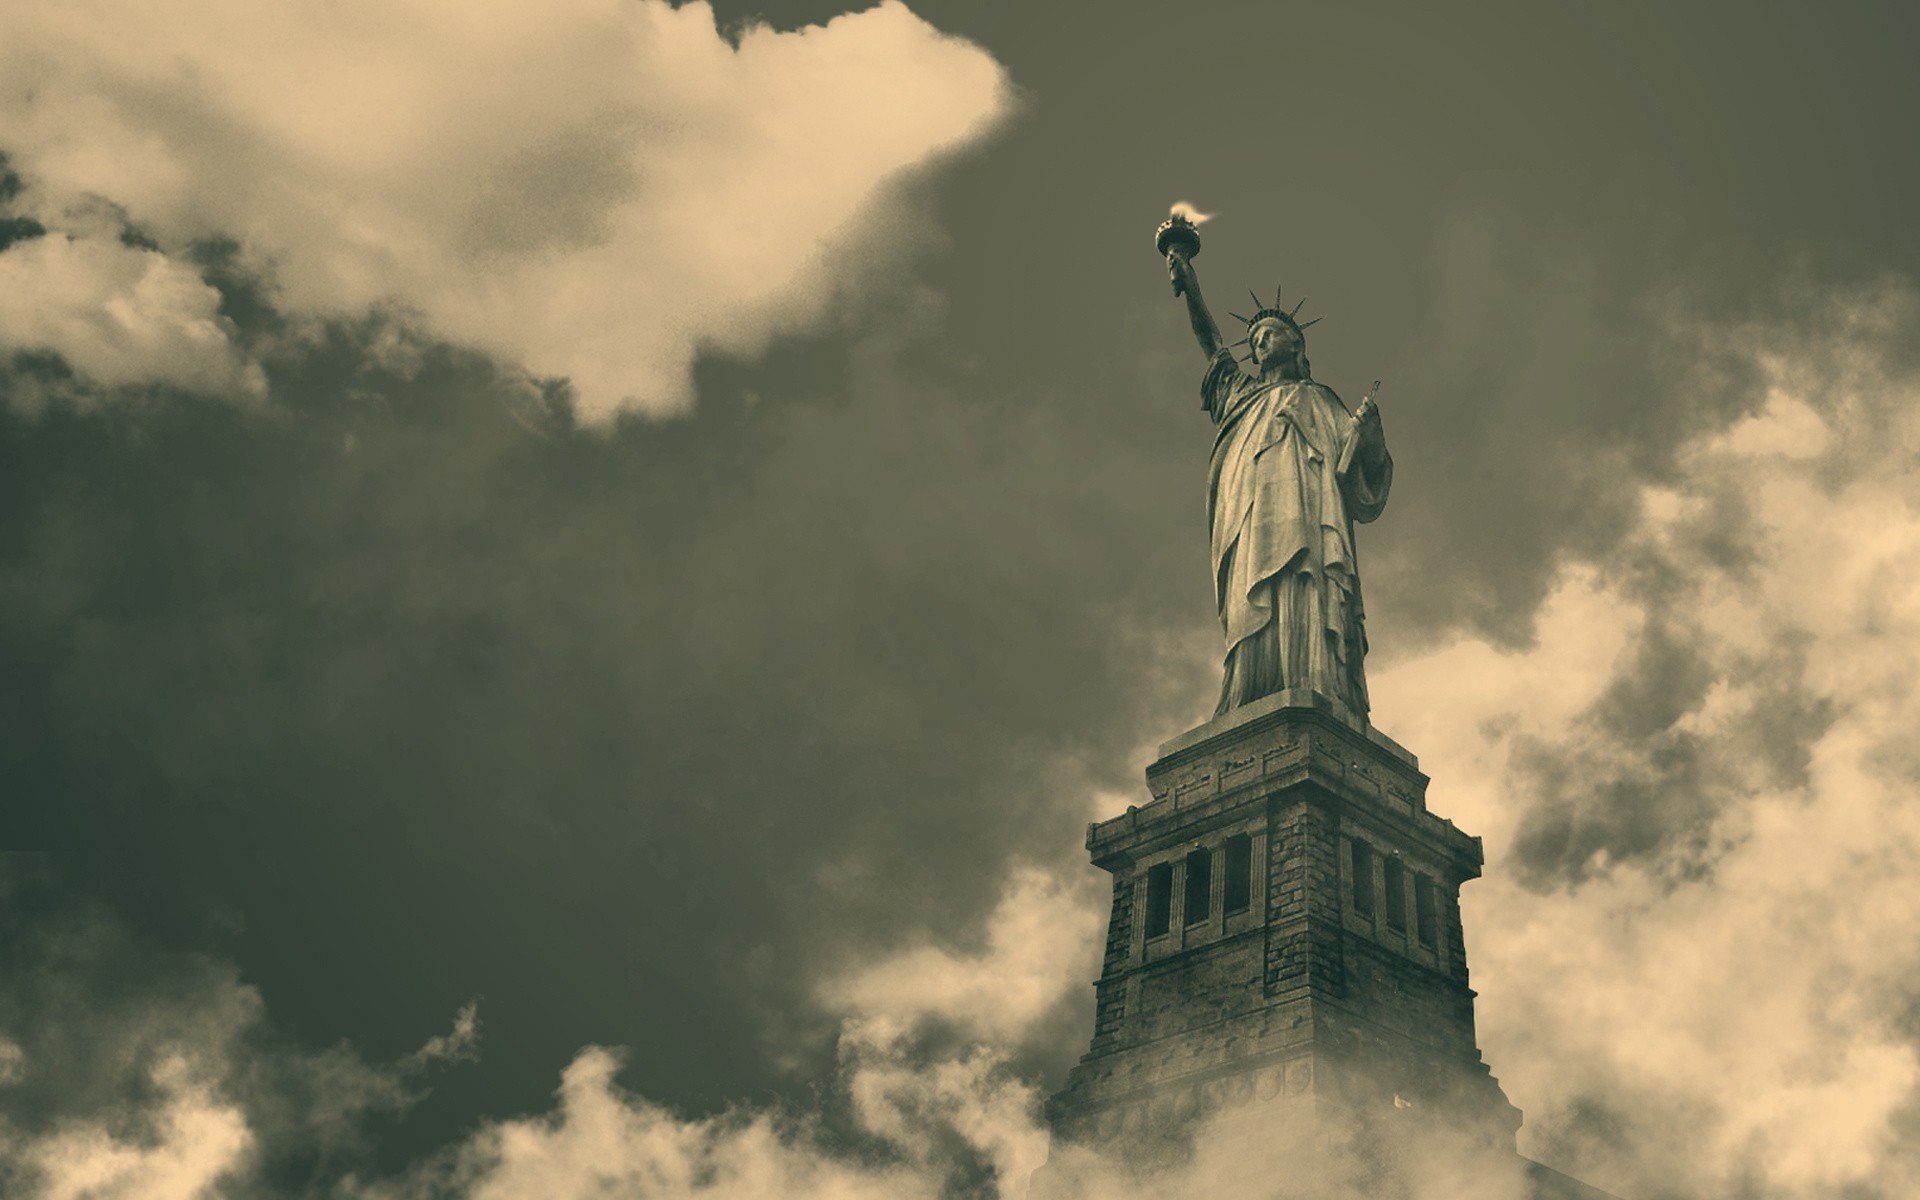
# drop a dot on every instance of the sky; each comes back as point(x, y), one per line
point(572, 574)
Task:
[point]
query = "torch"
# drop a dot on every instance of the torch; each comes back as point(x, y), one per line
point(1179, 234)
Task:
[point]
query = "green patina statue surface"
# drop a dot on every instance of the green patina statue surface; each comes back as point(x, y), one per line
point(1292, 472)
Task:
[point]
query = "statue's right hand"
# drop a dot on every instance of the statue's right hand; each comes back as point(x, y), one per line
point(1180, 271)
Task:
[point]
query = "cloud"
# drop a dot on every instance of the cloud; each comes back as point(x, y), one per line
point(925, 1114)
point(195, 1140)
point(133, 1073)
point(601, 1141)
point(459, 1044)
point(120, 316)
point(1038, 946)
point(154, 1076)
point(919, 1125)
point(540, 656)
point(923, 1126)
point(1699, 785)
point(587, 189)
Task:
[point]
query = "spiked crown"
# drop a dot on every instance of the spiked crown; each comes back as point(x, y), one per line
point(1264, 312)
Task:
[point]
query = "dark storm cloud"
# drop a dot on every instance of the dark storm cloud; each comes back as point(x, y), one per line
point(602, 729)
point(405, 691)
point(168, 1053)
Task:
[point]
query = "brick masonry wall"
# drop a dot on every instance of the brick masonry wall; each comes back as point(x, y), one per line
point(1110, 994)
point(1119, 926)
point(1300, 976)
point(1455, 936)
point(1197, 989)
point(1407, 999)
point(1303, 899)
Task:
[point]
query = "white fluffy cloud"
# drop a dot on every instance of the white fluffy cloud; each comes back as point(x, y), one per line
point(197, 1139)
point(186, 1100)
point(127, 1074)
point(595, 189)
point(600, 1141)
point(933, 1111)
point(1711, 991)
point(1038, 946)
point(120, 316)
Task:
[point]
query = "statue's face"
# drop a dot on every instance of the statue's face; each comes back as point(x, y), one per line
point(1272, 339)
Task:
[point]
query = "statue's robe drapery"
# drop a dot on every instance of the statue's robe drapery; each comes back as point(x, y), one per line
point(1292, 471)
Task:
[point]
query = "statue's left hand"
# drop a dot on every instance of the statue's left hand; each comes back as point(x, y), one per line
point(1368, 412)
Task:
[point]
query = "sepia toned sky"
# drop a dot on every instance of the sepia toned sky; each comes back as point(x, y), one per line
point(571, 574)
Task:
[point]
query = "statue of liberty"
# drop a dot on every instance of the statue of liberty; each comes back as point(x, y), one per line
point(1292, 471)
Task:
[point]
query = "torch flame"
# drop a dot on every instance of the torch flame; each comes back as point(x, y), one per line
point(1182, 209)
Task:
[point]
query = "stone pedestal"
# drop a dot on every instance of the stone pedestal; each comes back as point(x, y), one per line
point(1301, 1020)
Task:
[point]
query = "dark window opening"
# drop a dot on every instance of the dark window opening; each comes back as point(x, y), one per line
point(1199, 885)
point(1423, 910)
point(1159, 899)
point(1362, 878)
point(1239, 889)
point(1396, 881)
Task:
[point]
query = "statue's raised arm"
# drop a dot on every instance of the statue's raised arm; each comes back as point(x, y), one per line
point(1180, 241)
point(1186, 282)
